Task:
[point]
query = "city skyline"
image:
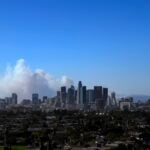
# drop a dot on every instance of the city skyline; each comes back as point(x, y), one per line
point(99, 43)
point(21, 79)
point(70, 98)
point(24, 81)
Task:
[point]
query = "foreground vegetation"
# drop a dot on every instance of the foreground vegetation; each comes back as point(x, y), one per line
point(15, 148)
point(76, 128)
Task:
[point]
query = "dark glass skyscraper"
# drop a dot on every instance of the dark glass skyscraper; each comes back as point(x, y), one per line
point(105, 93)
point(63, 96)
point(45, 99)
point(98, 92)
point(79, 92)
point(98, 97)
point(90, 96)
point(71, 96)
point(58, 97)
point(83, 95)
point(105, 96)
point(35, 99)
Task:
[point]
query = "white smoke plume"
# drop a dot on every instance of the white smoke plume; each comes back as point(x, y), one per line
point(22, 80)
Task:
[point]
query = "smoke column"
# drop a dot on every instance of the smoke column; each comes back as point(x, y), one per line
point(23, 81)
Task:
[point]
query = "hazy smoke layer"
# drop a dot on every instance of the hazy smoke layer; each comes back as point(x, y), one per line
point(23, 81)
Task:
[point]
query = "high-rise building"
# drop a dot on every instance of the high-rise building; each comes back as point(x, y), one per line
point(2, 104)
point(90, 96)
point(58, 101)
point(83, 96)
point(76, 92)
point(98, 96)
point(58, 94)
point(63, 96)
point(71, 96)
point(35, 99)
point(98, 92)
point(14, 98)
point(105, 96)
point(8, 100)
point(79, 93)
point(45, 99)
point(59, 97)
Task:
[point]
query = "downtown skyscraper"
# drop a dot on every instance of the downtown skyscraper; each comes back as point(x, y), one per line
point(82, 98)
point(79, 91)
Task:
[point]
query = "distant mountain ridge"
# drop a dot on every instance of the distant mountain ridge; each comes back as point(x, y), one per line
point(140, 97)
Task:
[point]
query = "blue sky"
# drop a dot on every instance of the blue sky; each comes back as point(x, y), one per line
point(97, 41)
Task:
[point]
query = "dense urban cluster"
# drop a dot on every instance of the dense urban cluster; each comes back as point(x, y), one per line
point(96, 99)
point(70, 99)
point(75, 119)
